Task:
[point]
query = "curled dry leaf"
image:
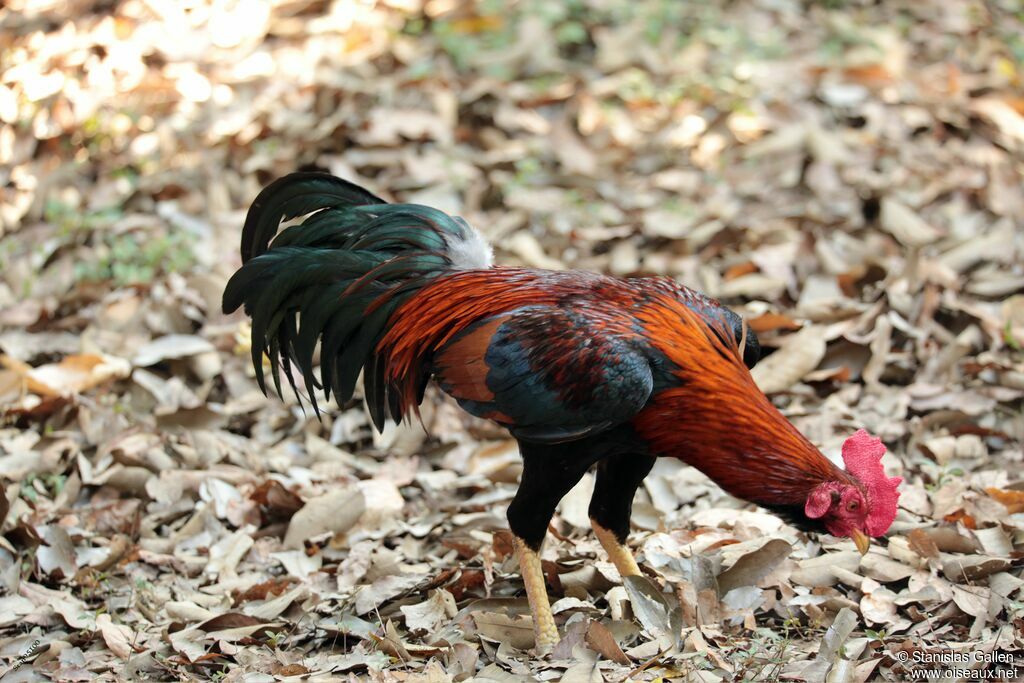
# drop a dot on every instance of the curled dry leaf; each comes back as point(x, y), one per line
point(585, 669)
point(878, 607)
point(299, 563)
point(334, 512)
point(905, 224)
point(973, 568)
point(72, 375)
point(751, 565)
point(884, 569)
point(227, 553)
point(601, 641)
point(1012, 499)
point(818, 571)
point(371, 596)
point(183, 610)
point(58, 554)
point(229, 620)
point(121, 640)
point(430, 614)
point(799, 354)
point(515, 631)
point(659, 616)
point(274, 607)
point(170, 347)
point(831, 652)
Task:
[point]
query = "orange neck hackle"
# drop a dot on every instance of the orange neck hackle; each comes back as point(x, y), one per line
point(719, 421)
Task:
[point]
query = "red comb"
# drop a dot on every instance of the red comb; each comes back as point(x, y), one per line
point(862, 455)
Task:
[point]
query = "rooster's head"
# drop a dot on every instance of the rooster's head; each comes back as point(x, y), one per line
point(861, 509)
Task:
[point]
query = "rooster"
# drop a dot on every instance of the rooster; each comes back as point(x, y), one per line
point(582, 369)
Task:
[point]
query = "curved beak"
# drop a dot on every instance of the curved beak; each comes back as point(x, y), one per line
point(861, 540)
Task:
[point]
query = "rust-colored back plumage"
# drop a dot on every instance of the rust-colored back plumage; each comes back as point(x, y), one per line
point(452, 304)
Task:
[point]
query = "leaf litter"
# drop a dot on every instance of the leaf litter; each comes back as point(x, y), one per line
point(852, 188)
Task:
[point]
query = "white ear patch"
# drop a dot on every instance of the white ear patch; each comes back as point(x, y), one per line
point(469, 252)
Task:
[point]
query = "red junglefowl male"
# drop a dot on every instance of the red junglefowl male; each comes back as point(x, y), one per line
point(583, 369)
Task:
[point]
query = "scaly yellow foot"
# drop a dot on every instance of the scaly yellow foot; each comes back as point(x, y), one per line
point(620, 555)
point(544, 629)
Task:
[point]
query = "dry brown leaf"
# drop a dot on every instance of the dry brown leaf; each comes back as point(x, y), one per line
point(58, 554)
point(72, 375)
point(585, 669)
point(922, 544)
point(274, 607)
point(949, 539)
point(818, 571)
point(906, 225)
point(264, 590)
point(170, 347)
point(973, 600)
point(334, 512)
point(121, 640)
point(515, 631)
point(878, 607)
point(799, 354)
point(430, 614)
point(1013, 500)
point(884, 569)
point(769, 322)
point(752, 565)
point(973, 568)
point(660, 618)
point(229, 620)
point(372, 596)
point(601, 641)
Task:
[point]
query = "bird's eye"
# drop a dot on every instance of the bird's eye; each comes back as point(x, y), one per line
point(853, 505)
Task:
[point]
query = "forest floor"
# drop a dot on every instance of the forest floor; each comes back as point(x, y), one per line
point(846, 175)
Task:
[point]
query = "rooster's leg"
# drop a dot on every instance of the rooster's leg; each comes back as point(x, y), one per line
point(547, 477)
point(544, 630)
point(618, 552)
point(618, 478)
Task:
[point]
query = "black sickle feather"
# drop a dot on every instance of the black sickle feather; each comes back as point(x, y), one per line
point(334, 279)
point(295, 195)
